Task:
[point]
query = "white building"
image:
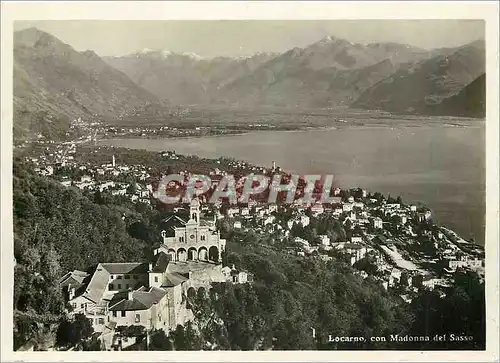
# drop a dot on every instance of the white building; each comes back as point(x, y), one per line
point(377, 223)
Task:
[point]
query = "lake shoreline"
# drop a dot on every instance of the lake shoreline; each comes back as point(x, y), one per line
point(441, 167)
point(299, 129)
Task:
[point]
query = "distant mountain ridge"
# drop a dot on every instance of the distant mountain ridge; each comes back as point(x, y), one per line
point(329, 73)
point(54, 83)
point(324, 74)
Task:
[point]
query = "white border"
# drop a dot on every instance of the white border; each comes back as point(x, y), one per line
point(205, 10)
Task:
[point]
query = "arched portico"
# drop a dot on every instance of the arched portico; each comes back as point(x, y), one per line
point(202, 254)
point(213, 254)
point(181, 254)
point(192, 254)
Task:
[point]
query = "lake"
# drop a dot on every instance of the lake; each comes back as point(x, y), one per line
point(441, 166)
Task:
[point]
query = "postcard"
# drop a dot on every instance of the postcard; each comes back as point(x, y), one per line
point(249, 181)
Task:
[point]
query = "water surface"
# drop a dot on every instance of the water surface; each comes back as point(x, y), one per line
point(440, 166)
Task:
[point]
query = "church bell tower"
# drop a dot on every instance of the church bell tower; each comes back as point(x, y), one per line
point(194, 211)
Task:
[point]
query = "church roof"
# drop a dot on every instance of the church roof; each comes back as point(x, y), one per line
point(172, 222)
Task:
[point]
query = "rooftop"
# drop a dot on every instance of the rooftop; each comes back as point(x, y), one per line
point(161, 262)
point(141, 300)
point(125, 267)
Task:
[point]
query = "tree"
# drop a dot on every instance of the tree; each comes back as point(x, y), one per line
point(186, 338)
point(70, 333)
point(50, 266)
point(366, 264)
point(158, 340)
point(93, 345)
point(131, 189)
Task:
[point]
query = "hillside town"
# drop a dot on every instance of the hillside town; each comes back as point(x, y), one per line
point(394, 243)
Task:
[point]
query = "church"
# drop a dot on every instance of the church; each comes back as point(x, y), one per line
point(191, 240)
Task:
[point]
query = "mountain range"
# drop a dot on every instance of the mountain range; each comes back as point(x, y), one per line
point(53, 81)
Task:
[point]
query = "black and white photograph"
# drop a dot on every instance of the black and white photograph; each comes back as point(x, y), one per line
point(235, 184)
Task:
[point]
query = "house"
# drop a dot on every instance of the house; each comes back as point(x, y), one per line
point(377, 223)
point(325, 258)
point(304, 220)
point(106, 185)
point(393, 205)
point(119, 191)
point(325, 240)
point(347, 207)
point(317, 209)
point(356, 239)
point(92, 298)
point(337, 211)
point(237, 225)
point(272, 208)
point(356, 251)
point(269, 220)
point(359, 205)
point(394, 276)
point(236, 276)
point(66, 183)
point(425, 216)
point(419, 280)
point(231, 212)
point(303, 243)
point(144, 306)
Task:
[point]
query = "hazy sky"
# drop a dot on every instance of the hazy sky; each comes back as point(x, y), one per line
point(237, 38)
